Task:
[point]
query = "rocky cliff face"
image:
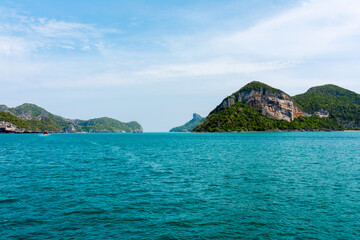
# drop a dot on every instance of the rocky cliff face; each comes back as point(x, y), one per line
point(275, 104)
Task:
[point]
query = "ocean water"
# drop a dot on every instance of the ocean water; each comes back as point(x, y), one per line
point(180, 186)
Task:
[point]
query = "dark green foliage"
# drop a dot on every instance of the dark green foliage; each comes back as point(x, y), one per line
point(342, 104)
point(190, 125)
point(242, 117)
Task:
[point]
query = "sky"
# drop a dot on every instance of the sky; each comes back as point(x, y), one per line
point(158, 62)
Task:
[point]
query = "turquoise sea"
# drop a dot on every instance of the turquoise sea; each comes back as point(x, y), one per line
point(180, 186)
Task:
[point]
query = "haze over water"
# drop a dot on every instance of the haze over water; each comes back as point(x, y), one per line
point(180, 186)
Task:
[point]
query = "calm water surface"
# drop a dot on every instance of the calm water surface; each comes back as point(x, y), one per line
point(180, 186)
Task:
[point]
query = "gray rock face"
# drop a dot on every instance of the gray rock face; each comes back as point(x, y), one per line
point(25, 116)
point(7, 127)
point(277, 105)
point(323, 113)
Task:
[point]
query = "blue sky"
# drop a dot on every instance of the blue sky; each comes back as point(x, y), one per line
point(158, 62)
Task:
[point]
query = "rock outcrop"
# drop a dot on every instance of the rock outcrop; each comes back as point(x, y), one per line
point(190, 125)
point(7, 127)
point(272, 102)
point(323, 113)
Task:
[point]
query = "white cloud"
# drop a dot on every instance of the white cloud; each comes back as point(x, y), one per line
point(316, 28)
point(22, 34)
point(13, 46)
point(60, 29)
point(214, 67)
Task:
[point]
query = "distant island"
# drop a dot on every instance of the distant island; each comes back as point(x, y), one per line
point(29, 118)
point(259, 107)
point(189, 126)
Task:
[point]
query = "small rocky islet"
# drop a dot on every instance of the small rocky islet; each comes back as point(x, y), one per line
point(190, 125)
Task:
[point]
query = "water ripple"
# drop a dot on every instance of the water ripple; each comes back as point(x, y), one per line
point(180, 186)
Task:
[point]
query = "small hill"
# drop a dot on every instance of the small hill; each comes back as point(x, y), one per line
point(32, 118)
point(190, 125)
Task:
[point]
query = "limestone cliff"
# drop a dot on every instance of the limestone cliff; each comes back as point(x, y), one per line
point(272, 102)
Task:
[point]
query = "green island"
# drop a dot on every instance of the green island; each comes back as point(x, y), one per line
point(28, 118)
point(259, 107)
